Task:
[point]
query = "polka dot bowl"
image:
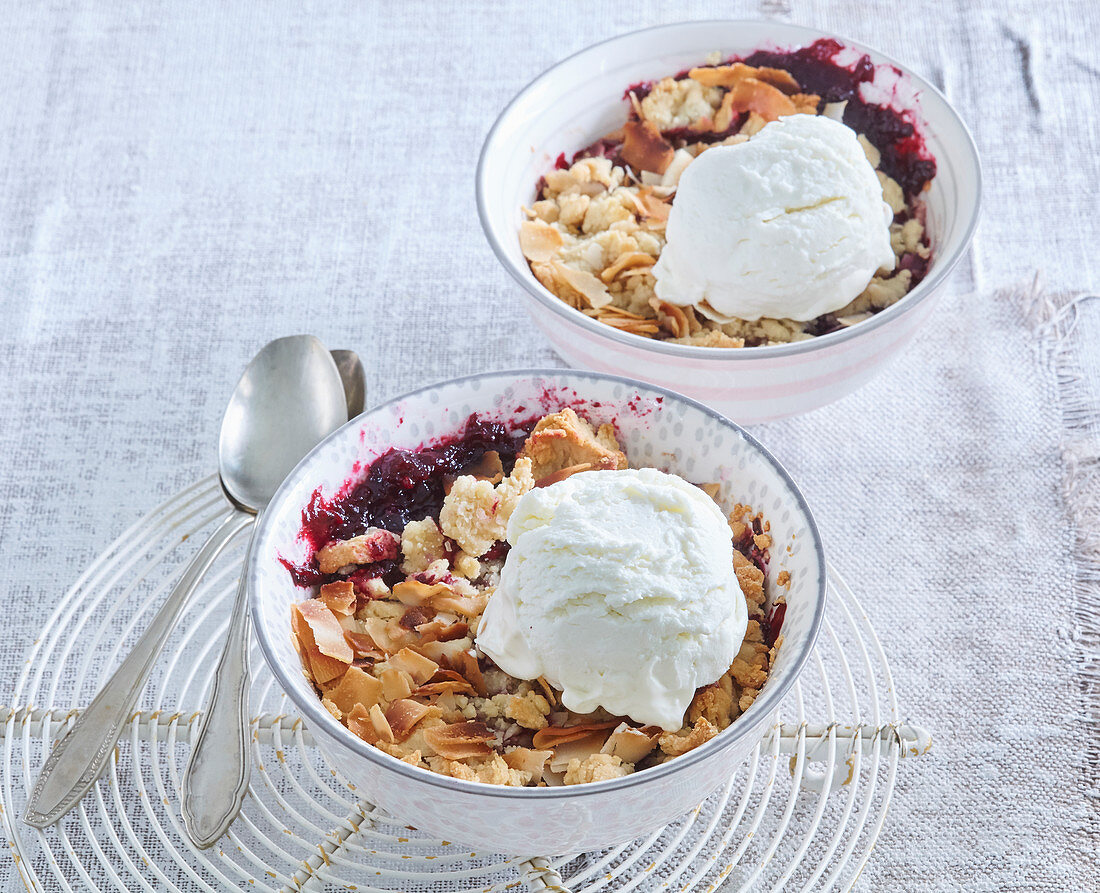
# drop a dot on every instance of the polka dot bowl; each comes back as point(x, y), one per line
point(656, 427)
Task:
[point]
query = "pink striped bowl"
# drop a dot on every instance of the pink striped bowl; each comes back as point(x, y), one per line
point(577, 100)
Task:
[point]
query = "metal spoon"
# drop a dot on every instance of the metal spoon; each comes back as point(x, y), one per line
point(290, 397)
point(354, 378)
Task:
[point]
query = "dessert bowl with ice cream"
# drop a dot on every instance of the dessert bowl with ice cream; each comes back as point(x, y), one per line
point(754, 214)
point(537, 611)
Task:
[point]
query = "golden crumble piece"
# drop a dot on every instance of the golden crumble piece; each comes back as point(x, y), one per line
point(597, 767)
point(680, 103)
point(421, 544)
point(530, 710)
point(374, 545)
point(492, 771)
point(467, 566)
point(677, 743)
point(750, 578)
point(709, 338)
point(475, 513)
point(563, 440)
point(714, 703)
point(891, 193)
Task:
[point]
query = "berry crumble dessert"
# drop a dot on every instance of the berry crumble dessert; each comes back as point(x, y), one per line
point(746, 202)
point(516, 605)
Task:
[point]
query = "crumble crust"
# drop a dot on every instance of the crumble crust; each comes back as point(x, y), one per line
point(397, 663)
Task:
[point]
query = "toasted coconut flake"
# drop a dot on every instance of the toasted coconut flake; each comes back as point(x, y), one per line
point(628, 261)
point(438, 631)
point(722, 75)
point(539, 241)
point(466, 605)
point(578, 749)
point(630, 744)
point(381, 725)
point(548, 691)
point(561, 475)
point(806, 103)
point(460, 741)
point(644, 148)
point(445, 681)
point(374, 545)
point(322, 666)
point(554, 736)
point(414, 592)
point(672, 317)
point(404, 714)
point(395, 684)
point(779, 78)
point(416, 616)
point(339, 597)
point(655, 207)
point(636, 326)
point(389, 637)
point(466, 664)
point(356, 687)
point(588, 286)
point(360, 724)
point(712, 490)
point(525, 759)
point(420, 668)
point(751, 95)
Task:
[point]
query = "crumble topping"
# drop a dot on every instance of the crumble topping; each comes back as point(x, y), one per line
point(391, 651)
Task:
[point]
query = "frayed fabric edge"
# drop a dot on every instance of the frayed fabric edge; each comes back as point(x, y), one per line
point(1053, 319)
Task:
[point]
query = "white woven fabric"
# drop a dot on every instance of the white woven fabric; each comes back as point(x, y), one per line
point(180, 183)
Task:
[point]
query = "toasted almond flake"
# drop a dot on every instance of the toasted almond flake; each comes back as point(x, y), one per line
point(645, 148)
point(356, 687)
point(561, 475)
point(395, 684)
point(460, 741)
point(588, 286)
point(414, 592)
point(420, 668)
point(539, 241)
point(552, 736)
point(629, 744)
point(381, 725)
point(404, 714)
point(339, 597)
point(627, 261)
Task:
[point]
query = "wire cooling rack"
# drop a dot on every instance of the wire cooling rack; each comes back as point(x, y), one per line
point(802, 814)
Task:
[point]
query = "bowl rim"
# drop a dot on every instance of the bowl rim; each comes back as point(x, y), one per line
point(315, 715)
point(941, 268)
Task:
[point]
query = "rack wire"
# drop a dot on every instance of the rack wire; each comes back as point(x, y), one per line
point(803, 813)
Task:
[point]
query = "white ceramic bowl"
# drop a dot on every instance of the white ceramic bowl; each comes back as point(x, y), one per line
point(656, 427)
point(567, 107)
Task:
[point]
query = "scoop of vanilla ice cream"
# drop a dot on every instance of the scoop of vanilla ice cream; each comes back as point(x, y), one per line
point(619, 589)
point(790, 224)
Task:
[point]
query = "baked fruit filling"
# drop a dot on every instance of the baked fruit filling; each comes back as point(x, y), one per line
point(404, 561)
point(600, 222)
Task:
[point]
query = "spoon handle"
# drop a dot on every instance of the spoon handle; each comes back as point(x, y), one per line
point(216, 778)
point(82, 753)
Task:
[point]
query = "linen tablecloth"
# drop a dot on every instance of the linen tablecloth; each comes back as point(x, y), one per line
point(180, 183)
